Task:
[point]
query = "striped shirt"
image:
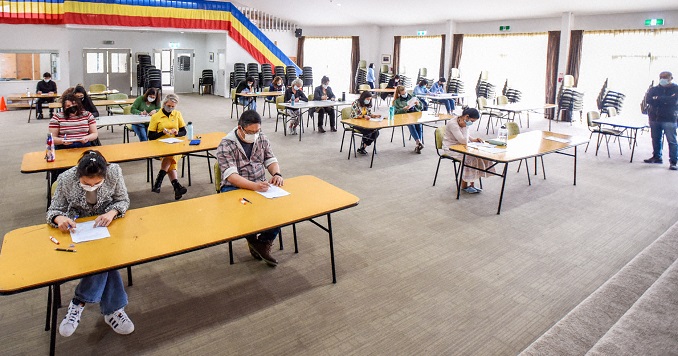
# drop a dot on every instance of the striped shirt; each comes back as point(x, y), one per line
point(75, 127)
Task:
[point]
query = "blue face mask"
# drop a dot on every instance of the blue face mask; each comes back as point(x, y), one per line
point(468, 123)
point(663, 82)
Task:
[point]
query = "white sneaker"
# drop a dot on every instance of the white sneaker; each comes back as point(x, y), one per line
point(119, 322)
point(72, 319)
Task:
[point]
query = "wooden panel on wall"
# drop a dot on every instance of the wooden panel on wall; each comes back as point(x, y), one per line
point(36, 66)
point(24, 65)
point(8, 65)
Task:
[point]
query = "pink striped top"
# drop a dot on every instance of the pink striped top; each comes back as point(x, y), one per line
point(75, 127)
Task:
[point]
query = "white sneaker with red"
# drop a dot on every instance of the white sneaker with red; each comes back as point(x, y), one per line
point(119, 322)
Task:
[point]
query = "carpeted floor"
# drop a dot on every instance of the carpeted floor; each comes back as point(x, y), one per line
point(418, 271)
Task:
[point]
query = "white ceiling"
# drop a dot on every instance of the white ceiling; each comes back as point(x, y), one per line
point(408, 12)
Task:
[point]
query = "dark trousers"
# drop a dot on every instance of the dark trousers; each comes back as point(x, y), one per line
point(266, 236)
point(321, 113)
point(40, 101)
point(368, 135)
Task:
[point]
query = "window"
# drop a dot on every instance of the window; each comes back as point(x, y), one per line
point(420, 52)
point(630, 60)
point(331, 57)
point(119, 62)
point(96, 62)
point(28, 65)
point(518, 58)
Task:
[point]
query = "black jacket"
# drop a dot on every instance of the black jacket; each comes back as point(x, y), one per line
point(299, 94)
point(46, 87)
point(242, 85)
point(318, 93)
point(89, 106)
point(663, 103)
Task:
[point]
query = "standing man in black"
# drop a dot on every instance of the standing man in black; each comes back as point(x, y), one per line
point(662, 101)
point(45, 86)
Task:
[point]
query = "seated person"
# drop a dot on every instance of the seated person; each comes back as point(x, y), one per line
point(73, 126)
point(81, 93)
point(402, 106)
point(93, 188)
point(46, 86)
point(392, 83)
point(457, 133)
point(324, 92)
point(439, 88)
point(244, 156)
point(147, 104)
point(276, 85)
point(247, 86)
point(362, 109)
point(421, 89)
point(296, 94)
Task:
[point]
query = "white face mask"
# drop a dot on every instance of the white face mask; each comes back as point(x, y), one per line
point(46, 80)
point(367, 102)
point(250, 138)
point(324, 86)
point(150, 99)
point(296, 88)
point(91, 188)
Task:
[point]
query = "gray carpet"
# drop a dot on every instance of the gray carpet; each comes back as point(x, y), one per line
point(418, 271)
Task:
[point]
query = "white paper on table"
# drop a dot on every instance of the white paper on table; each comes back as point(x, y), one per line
point(170, 140)
point(274, 192)
point(557, 139)
point(377, 119)
point(413, 101)
point(480, 144)
point(87, 232)
point(119, 101)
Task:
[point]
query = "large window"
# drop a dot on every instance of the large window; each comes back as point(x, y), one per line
point(420, 52)
point(518, 58)
point(331, 57)
point(630, 60)
point(27, 65)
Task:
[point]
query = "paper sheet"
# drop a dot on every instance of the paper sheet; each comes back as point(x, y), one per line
point(87, 232)
point(557, 139)
point(274, 192)
point(119, 101)
point(170, 140)
point(377, 119)
point(486, 147)
point(413, 101)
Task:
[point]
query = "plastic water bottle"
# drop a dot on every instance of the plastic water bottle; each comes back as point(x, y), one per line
point(28, 92)
point(50, 153)
point(189, 130)
point(391, 114)
point(502, 136)
point(293, 97)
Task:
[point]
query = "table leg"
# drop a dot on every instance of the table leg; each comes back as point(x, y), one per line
point(329, 228)
point(633, 149)
point(129, 276)
point(52, 334)
point(351, 144)
point(49, 188)
point(374, 149)
point(188, 161)
point(503, 184)
point(30, 110)
point(294, 233)
point(49, 308)
point(575, 165)
point(461, 174)
point(535, 165)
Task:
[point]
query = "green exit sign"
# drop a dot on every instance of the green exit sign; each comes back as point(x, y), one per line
point(421, 33)
point(504, 28)
point(654, 22)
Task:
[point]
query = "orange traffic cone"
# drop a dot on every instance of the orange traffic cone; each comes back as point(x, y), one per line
point(3, 106)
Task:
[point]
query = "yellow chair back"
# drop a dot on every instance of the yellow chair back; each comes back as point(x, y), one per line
point(97, 88)
point(440, 132)
point(346, 113)
point(512, 128)
point(364, 87)
point(217, 177)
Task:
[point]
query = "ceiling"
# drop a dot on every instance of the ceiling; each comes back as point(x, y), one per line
point(401, 12)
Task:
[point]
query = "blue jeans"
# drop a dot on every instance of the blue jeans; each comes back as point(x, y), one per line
point(141, 130)
point(669, 130)
point(424, 105)
point(417, 131)
point(264, 236)
point(251, 101)
point(449, 104)
point(105, 288)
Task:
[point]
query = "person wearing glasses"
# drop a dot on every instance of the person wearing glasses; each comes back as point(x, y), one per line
point(244, 156)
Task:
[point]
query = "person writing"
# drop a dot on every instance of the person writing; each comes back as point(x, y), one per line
point(92, 188)
point(402, 103)
point(457, 133)
point(276, 85)
point(81, 93)
point(244, 87)
point(438, 88)
point(294, 94)
point(324, 92)
point(362, 109)
point(421, 89)
point(244, 156)
point(166, 123)
point(74, 126)
point(46, 86)
point(392, 83)
point(147, 104)
point(662, 110)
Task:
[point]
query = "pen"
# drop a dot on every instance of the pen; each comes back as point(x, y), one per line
point(69, 226)
point(51, 238)
point(245, 199)
point(65, 249)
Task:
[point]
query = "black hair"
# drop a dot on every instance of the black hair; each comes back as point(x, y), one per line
point(471, 112)
point(152, 91)
point(371, 65)
point(92, 164)
point(249, 79)
point(71, 97)
point(364, 95)
point(324, 80)
point(47, 75)
point(423, 82)
point(249, 117)
point(397, 76)
point(79, 89)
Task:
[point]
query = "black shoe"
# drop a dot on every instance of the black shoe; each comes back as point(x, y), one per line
point(179, 190)
point(362, 151)
point(321, 129)
point(672, 166)
point(158, 181)
point(333, 129)
point(39, 116)
point(653, 160)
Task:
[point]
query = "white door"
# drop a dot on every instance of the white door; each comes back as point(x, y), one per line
point(119, 73)
point(95, 68)
point(183, 70)
point(220, 80)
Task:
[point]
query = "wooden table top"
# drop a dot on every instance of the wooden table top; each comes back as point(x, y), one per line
point(57, 105)
point(398, 120)
point(35, 161)
point(28, 259)
point(379, 90)
point(32, 96)
point(525, 145)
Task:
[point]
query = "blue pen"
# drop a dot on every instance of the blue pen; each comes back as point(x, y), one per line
point(74, 218)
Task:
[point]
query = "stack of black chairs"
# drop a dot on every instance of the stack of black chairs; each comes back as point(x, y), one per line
point(253, 71)
point(307, 77)
point(455, 85)
point(266, 76)
point(279, 71)
point(360, 77)
point(384, 75)
point(153, 79)
point(290, 75)
point(570, 100)
point(513, 95)
point(206, 80)
point(143, 60)
point(611, 99)
point(485, 89)
point(406, 81)
point(239, 74)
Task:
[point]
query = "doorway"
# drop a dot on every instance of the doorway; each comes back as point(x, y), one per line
point(220, 82)
point(183, 70)
point(110, 67)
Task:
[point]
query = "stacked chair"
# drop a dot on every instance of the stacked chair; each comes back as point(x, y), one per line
point(484, 88)
point(239, 74)
point(422, 75)
point(143, 60)
point(384, 75)
point(253, 71)
point(570, 100)
point(455, 84)
point(206, 80)
point(406, 81)
point(290, 75)
point(307, 77)
point(153, 79)
point(608, 99)
point(279, 71)
point(361, 74)
point(266, 76)
point(513, 95)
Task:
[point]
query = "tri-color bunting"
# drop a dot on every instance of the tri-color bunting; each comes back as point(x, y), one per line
point(195, 14)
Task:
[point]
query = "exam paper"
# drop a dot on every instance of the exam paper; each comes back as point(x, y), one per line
point(377, 119)
point(170, 140)
point(86, 231)
point(274, 192)
point(557, 139)
point(413, 101)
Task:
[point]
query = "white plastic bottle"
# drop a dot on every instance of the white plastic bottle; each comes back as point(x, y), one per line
point(189, 130)
point(502, 136)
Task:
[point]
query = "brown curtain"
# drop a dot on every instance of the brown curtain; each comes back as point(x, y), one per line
point(552, 53)
point(457, 44)
point(300, 51)
point(396, 54)
point(574, 57)
point(441, 72)
point(355, 61)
